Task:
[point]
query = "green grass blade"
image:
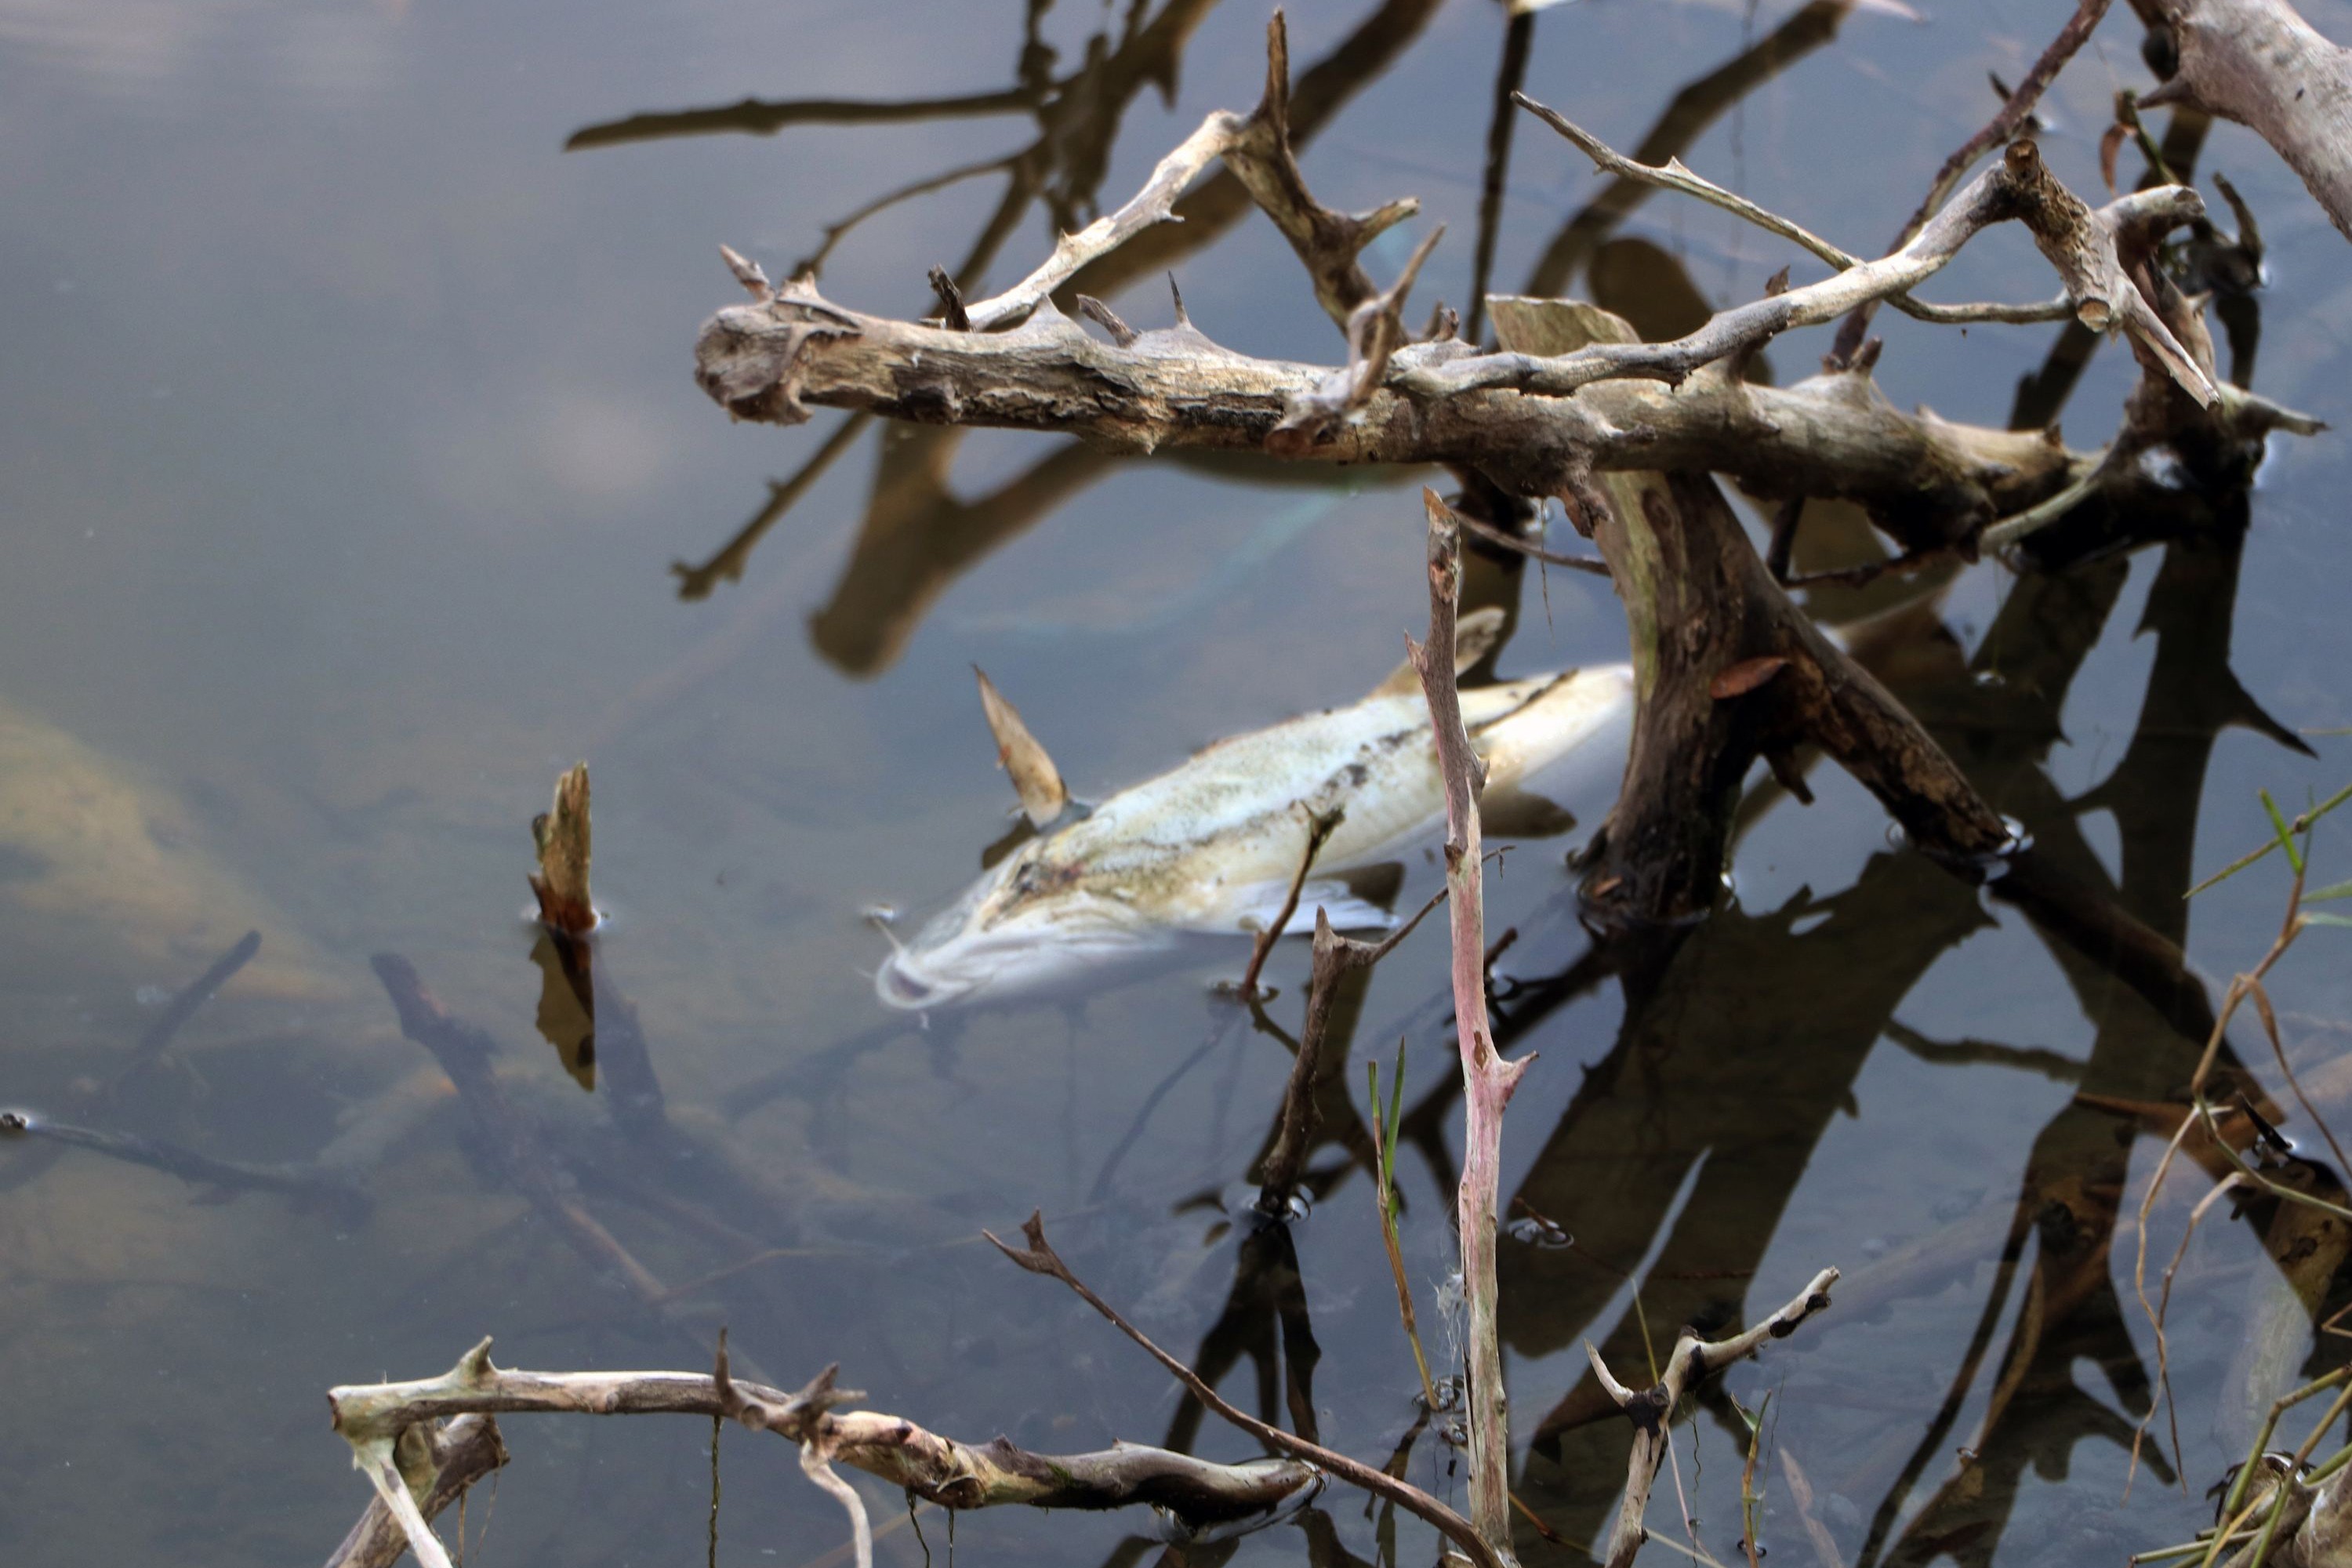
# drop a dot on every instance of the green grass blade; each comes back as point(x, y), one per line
point(2285, 833)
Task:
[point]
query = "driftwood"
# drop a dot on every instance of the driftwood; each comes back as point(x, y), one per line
point(376, 1418)
point(2258, 62)
point(1435, 401)
point(439, 1461)
point(1558, 412)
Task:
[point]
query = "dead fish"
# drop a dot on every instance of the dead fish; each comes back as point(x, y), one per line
point(1212, 845)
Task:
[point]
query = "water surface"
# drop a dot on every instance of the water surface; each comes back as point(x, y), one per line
point(346, 440)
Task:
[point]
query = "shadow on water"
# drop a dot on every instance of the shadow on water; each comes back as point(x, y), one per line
point(917, 537)
point(1742, 1040)
point(1655, 1198)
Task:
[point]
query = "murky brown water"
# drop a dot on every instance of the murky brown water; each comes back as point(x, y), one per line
point(345, 438)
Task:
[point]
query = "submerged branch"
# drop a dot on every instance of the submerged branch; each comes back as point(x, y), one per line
point(337, 1189)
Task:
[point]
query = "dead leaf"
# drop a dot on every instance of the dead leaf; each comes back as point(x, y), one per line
point(1738, 680)
point(2110, 144)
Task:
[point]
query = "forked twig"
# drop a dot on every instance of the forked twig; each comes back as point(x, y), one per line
point(1674, 175)
point(2006, 123)
point(1321, 825)
point(1651, 1409)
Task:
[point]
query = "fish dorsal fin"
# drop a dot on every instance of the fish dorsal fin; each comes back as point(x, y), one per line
point(1474, 637)
point(1034, 778)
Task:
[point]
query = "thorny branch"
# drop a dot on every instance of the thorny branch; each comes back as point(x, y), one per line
point(1487, 1081)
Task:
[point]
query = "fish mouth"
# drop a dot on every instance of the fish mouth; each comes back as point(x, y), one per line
point(901, 988)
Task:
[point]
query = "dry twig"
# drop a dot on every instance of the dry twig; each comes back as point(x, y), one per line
point(1651, 1409)
point(1321, 825)
point(1487, 1079)
point(374, 1418)
point(1039, 1258)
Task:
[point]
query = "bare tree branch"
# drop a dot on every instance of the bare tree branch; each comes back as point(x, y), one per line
point(1039, 1258)
point(1487, 1081)
point(374, 1418)
point(1651, 1409)
point(2000, 127)
point(2078, 243)
point(2258, 62)
point(459, 1453)
point(1673, 176)
point(1257, 147)
point(1834, 437)
point(1175, 388)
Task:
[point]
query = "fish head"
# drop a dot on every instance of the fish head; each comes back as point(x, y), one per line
point(1026, 926)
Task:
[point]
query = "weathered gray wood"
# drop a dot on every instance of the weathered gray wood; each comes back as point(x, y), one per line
point(2258, 62)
